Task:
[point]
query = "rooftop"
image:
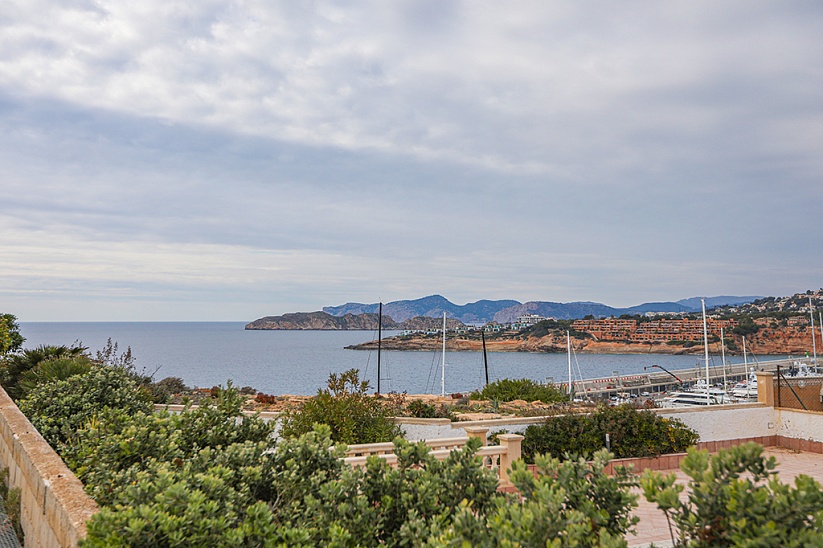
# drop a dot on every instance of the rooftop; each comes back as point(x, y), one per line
point(653, 528)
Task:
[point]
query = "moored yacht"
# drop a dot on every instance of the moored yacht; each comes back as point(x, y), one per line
point(689, 399)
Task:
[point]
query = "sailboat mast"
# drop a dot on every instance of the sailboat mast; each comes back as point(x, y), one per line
point(706, 349)
point(485, 357)
point(379, 342)
point(746, 368)
point(569, 357)
point(814, 343)
point(443, 364)
point(723, 354)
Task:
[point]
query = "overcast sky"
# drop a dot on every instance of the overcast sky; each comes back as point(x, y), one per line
point(227, 160)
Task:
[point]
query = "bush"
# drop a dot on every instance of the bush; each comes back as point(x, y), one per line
point(632, 433)
point(422, 410)
point(265, 398)
point(10, 338)
point(220, 498)
point(519, 389)
point(352, 415)
point(163, 390)
point(569, 503)
point(60, 408)
point(118, 443)
point(736, 499)
point(301, 494)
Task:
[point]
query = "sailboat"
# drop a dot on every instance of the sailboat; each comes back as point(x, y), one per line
point(746, 389)
point(703, 393)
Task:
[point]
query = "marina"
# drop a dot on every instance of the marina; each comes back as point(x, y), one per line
point(658, 382)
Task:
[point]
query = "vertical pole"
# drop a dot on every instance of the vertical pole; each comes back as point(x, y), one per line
point(820, 324)
point(814, 342)
point(779, 384)
point(706, 349)
point(485, 358)
point(723, 354)
point(379, 342)
point(569, 357)
point(746, 370)
point(443, 364)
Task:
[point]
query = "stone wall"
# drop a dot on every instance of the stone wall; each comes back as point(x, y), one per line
point(54, 505)
point(717, 423)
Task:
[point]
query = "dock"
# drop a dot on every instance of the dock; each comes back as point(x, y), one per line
point(656, 380)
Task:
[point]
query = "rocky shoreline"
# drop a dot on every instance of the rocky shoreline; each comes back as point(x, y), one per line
point(769, 342)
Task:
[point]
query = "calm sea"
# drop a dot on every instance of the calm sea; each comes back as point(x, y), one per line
point(205, 354)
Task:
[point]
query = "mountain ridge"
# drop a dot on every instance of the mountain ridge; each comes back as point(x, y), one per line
point(508, 310)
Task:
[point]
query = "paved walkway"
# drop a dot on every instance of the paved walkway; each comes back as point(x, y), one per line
point(653, 527)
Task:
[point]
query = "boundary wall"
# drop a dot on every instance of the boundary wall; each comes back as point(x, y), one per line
point(715, 424)
point(54, 506)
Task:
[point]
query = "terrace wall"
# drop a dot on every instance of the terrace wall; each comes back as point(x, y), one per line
point(54, 506)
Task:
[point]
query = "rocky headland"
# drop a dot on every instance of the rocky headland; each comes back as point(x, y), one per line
point(322, 321)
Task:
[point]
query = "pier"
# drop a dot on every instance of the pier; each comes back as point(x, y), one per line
point(656, 381)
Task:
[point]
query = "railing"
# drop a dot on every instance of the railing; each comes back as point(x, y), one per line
point(495, 457)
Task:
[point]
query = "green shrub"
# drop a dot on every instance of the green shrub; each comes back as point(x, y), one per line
point(300, 494)
point(117, 444)
point(422, 410)
point(569, 503)
point(60, 408)
point(164, 389)
point(352, 415)
point(632, 433)
point(10, 338)
point(736, 499)
point(519, 389)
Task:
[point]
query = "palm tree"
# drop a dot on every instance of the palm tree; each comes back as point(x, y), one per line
point(53, 369)
point(15, 365)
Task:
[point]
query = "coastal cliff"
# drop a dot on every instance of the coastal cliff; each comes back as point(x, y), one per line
point(322, 321)
point(768, 341)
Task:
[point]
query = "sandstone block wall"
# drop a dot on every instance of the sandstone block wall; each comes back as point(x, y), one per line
point(54, 505)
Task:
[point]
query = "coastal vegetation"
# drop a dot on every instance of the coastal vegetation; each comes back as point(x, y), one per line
point(10, 338)
point(735, 498)
point(506, 390)
point(630, 432)
point(352, 415)
point(211, 476)
point(203, 477)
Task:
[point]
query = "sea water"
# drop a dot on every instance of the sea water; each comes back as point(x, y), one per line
point(206, 354)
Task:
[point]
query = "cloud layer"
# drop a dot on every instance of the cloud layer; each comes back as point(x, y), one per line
point(225, 160)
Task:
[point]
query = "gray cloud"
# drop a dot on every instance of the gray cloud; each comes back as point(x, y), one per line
point(331, 151)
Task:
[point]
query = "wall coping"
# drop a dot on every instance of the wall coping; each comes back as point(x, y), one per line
point(61, 499)
point(793, 410)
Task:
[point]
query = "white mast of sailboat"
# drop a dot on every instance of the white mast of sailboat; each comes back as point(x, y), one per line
point(443, 363)
point(706, 349)
point(746, 368)
point(379, 341)
point(814, 342)
point(723, 354)
point(569, 355)
point(820, 324)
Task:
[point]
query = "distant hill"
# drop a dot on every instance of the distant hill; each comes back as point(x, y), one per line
point(321, 321)
point(560, 311)
point(711, 302)
point(432, 306)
